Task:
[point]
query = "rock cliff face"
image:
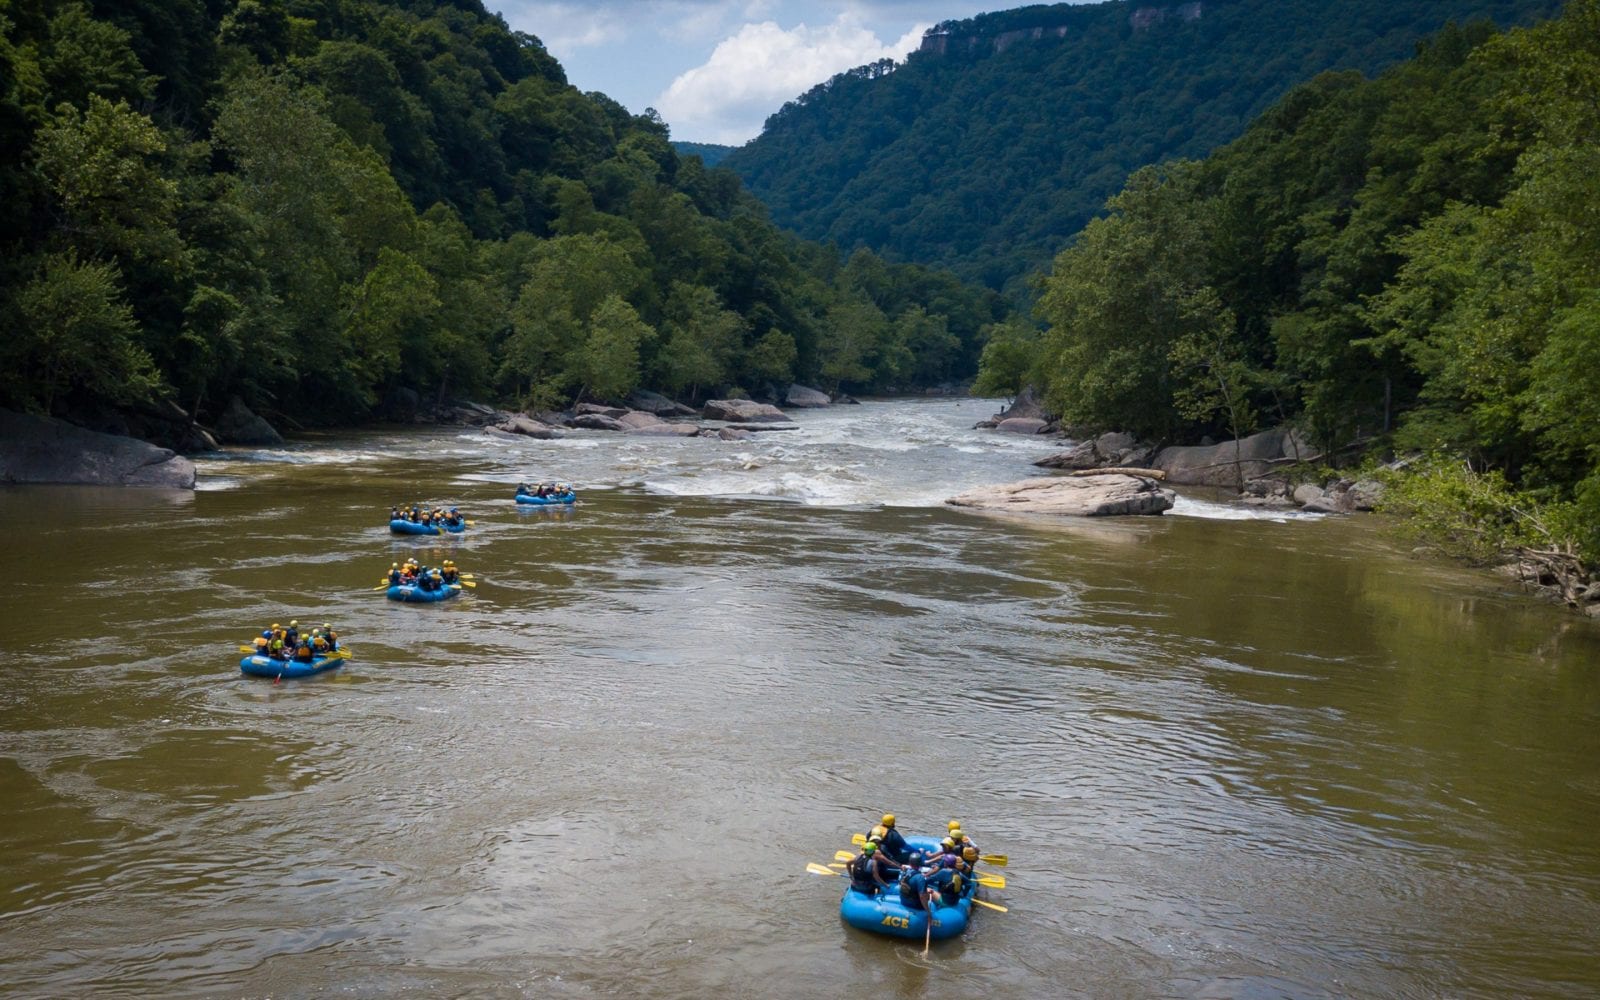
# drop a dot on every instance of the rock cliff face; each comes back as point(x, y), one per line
point(42, 450)
point(942, 43)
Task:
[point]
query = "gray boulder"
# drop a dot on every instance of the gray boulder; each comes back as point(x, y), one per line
point(615, 413)
point(596, 422)
point(661, 406)
point(1072, 496)
point(1307, 493)
point(734, 434)
point(42, 450)
point(743, 411)
point(1022, 425)
point(238, 425)
point(1230, 463)
point(526, 427)
point(1111, 450)
point(802, 397)
point(635, 419)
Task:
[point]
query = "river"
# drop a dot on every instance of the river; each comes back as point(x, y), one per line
point(1229, 752)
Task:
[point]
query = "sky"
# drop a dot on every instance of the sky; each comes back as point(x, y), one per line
point(715, 69)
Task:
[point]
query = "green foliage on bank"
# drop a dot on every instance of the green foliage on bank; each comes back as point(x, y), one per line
point(317, 204)
point(989, 157)
point(1409, 263)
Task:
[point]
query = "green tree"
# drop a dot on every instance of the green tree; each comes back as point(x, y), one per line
point(76, 335)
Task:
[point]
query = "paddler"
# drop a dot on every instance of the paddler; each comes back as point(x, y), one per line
point(889, 838)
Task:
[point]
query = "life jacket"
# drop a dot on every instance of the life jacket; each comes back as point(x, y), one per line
point(320, 644)
point(303, 653)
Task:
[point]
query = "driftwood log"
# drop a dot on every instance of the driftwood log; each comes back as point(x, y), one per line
point(1146, 473)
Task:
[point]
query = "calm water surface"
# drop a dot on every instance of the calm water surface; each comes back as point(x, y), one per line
point(1229, 754)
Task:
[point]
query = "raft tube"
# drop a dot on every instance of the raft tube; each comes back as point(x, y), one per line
point(401, 526)
point(885, 914)
point(266, 666)
point(547, 501)
point(412, 593)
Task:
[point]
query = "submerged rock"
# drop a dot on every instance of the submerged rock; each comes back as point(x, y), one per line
point(41, 450)
point(1072, 496)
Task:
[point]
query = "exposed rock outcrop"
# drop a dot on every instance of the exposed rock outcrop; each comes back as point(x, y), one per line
point(1116, 448)
point(1022, 425)
point(524, 426)
point(1072, 496)
point(663, 429)
point(41, 450)
point(596, 422)
point(238, 425)
point(743, 411)
point(801, 397)
point(1230, 463)
point(661, 406)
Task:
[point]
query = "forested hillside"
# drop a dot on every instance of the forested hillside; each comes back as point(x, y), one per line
point(709, 152)
point(1409, 264)
point(987, 150)
point(321, 205)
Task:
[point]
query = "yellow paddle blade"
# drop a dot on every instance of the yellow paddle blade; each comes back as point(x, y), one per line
point(858, 839)
point(382, 586)
point(468, 583)
point(817, 869)
point(843, 856)
point(247, 649)
point(992, 881)
point(835, 864)
point(994, 859)
point(992, 906)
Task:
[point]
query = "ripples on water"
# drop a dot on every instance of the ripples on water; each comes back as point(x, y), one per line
point(1231, 753)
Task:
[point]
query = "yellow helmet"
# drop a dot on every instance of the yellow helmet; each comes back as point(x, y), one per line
point(276, 626)
point(947, 842)
point(955, 824)
point(956, 834)
point(878, 833)
point(888, 819)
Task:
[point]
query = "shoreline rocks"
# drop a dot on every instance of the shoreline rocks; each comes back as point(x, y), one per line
point(44, 450)
point(1112, 495)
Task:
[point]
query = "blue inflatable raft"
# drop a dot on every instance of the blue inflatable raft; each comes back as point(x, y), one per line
point(401, 526)
point(549, 500)
point(266, 666)
point(885, 914)
point(415, 594)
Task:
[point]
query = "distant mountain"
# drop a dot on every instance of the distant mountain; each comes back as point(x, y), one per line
point(995, 142)
point(710, 153)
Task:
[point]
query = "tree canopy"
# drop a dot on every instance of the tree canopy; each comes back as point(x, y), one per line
point(988, 151)
point(316, 204)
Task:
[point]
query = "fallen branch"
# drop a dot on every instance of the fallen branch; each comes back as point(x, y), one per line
point(1123, 471)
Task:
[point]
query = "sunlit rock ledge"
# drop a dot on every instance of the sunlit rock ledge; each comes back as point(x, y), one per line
point(1072, 496)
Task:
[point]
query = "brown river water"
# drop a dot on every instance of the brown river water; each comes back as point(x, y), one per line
point(1228, 754)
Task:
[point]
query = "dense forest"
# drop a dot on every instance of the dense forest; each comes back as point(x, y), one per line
point(987, 150)
point(709, 152)
point(1404, 265)
point(325, 206)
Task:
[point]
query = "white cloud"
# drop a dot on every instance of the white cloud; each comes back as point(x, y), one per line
point(753, 72)
point(565, 28)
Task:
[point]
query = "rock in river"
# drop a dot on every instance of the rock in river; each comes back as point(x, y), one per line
point(743, 411)
point(42, 450)
point(1074, 496)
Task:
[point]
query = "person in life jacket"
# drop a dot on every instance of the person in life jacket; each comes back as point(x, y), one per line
point(291, 635)
point(884, 871)
point(891, 841)
point(394, 513)
point(303, 652)
point(435, 580)
point(319, 643)
point(329, 634)
point(261, 645)
point(914, 890)
point(969, 862)
point(860, 870)
point(275, 648)
point(947, 881)
point(394, 574)
point(962, 840)
point(449, 573)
